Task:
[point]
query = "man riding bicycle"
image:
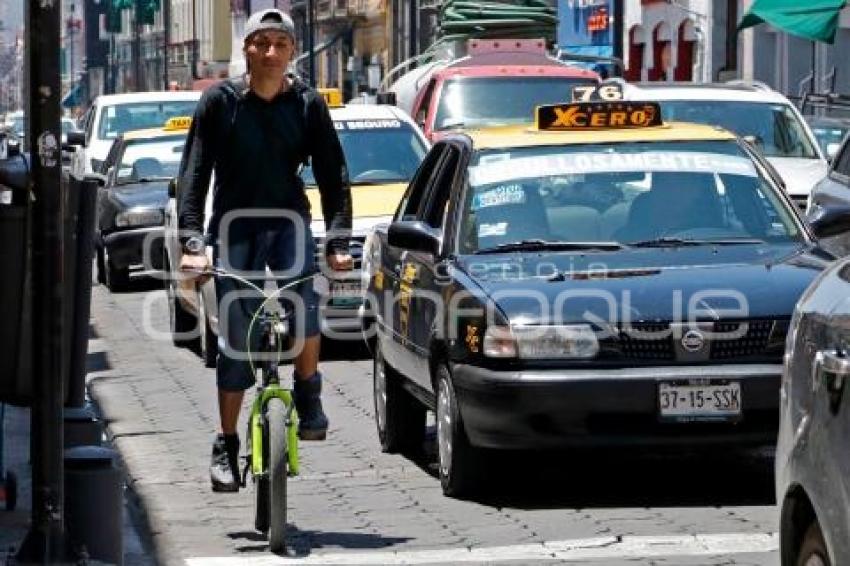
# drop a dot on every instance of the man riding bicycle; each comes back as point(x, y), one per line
point(255, 133)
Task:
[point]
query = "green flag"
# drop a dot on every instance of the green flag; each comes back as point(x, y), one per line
point(812, 19)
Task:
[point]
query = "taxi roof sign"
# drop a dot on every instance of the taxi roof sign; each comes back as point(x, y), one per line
point(582, 116)
point(178, 123)
point(332, 96)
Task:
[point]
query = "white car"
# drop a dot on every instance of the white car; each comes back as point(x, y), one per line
point(383, 149)
point(755, 112)
point(114, 114)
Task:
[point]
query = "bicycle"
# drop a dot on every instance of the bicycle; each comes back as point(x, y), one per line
point(272, 437)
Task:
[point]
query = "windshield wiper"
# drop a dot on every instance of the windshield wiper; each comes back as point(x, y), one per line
point(667, 242)
point(144, 180)
point(538, 244)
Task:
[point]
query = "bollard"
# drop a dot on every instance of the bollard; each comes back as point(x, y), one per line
point(94, 503)
point(82, 427)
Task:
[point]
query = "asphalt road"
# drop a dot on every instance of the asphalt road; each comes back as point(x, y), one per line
point(355, 505)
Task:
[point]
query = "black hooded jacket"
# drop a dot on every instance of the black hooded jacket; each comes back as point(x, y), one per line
point(256, 148)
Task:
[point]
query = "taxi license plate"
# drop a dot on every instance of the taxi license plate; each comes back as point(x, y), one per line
point(699, 401)
point(345, 293)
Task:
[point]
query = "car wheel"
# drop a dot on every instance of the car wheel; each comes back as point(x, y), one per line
point(117, 278)
point(182, 323)
point(208, 339)
point(813, 548)
point(101, 266)
point(459, 461)
point(399, 417)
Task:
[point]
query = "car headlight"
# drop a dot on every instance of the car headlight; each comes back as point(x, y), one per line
point(138, 218)
point(575, 341)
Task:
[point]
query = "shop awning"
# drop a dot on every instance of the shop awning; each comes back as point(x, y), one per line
point(812, 19)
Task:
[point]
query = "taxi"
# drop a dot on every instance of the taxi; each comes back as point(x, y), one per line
point(599, 278)
point(132, 198)
point(383, 149)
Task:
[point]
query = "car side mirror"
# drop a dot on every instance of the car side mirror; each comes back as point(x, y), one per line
point(414, 235)
point(172, 188)
point(76, 138)
point(829, 220)
point(99, 178)
point(832, 151)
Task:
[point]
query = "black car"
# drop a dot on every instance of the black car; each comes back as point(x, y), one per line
point(813, 452)
point(603, 288)
point(834, 191)
point(131, 202)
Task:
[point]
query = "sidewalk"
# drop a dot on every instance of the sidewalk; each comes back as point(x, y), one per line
point(14, 524)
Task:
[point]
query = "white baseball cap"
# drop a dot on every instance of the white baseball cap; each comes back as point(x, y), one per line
point(270, 19)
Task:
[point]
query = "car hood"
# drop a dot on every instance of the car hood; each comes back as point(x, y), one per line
point(134, 195)
point(645, 285)
point(366, 200)
point(800, 175)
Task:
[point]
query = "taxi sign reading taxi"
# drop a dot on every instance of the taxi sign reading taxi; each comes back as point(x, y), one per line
point(178, 123)
point(597, 115)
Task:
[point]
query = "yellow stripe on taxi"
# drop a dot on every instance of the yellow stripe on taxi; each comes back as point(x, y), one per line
point(367, 200)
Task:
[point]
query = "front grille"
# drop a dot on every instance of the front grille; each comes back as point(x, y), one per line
point(800, 201)
point(636, 345)
point(753, 342)
point(654, 341)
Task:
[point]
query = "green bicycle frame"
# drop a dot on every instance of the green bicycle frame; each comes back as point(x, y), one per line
point(258, 466)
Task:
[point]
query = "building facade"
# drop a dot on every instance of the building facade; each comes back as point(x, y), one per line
point(680, 40)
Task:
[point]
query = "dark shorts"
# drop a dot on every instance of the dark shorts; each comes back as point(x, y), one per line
point(250, 247)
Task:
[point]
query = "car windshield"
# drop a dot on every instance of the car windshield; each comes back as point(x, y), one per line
point(774, 127)
point(377, 151)
point(120, 118)
point(147, 160)
point(618, 195)
point(471, 102)
point(829, 135)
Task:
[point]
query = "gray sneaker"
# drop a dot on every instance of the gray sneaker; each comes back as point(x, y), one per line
point(312, 421)
point(224, 464)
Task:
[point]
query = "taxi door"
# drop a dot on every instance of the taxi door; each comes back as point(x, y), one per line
point(428, 271)
point(393, 304)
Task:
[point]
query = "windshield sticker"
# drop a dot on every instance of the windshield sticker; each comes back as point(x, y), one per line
point(489, 230)
point(367, 124)
point(504, 194)
point(580, 163)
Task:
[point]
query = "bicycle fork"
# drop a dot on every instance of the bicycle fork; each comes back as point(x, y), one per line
point(256, 462)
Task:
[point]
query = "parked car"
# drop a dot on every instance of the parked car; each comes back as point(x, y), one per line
point(753, 111)
point(560, 286)
point(383, 148)
point(131, 201)
point(113, 114)
point(813, 451)
point(834, 190)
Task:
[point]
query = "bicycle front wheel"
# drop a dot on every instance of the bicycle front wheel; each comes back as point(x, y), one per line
point(278, 459)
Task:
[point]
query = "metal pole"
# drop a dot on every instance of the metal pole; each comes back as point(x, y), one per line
point(194, 41)
point(137, 49)
point(311, 22)
point(414, 29)
point(166, 40)
point(46, 542)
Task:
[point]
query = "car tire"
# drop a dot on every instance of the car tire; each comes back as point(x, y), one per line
point(100, 263)
point(458, 461)
point(117, 278)
point(813, 550)
point(399, 418)
point(208, 340)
